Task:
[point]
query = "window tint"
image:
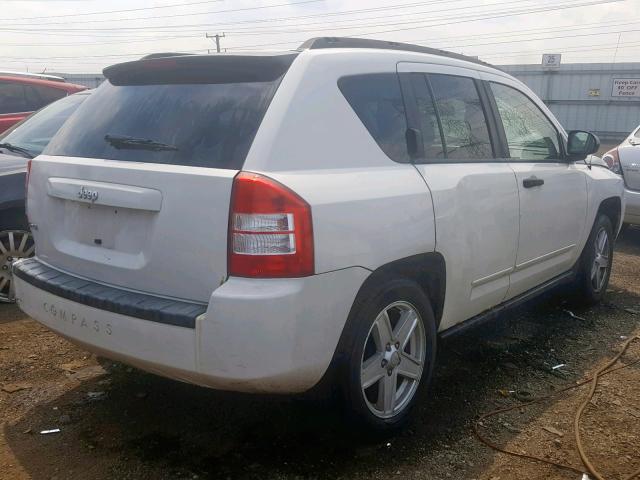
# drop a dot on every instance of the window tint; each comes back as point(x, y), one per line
point(530, 134)
point(45, 95)
point(35, 132)
point(377, 100)
point(12, 98)
point(202, 125)
point(431, 135)
point(464, 124)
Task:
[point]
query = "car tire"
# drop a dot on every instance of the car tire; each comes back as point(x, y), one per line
point(16, 242)
point(596, 261)
point(382, 378)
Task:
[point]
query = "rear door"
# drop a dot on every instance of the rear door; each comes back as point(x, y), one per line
point(134, 190)
point(552, 190)
point(474, 192)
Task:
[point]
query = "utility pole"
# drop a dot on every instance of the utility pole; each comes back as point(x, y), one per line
point(217, 36)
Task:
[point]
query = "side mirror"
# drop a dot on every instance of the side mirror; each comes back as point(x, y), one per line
point(582, 144)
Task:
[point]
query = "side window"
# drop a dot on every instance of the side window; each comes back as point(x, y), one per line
point(46, 95)
point(530, 135)
point(12, 98)
point(431, 134)
point(637, 134)
point(377, 100)
point(464, 124)
point(32, 99)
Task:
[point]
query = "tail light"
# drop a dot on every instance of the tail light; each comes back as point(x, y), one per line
point(270, 230)
point(612, 159)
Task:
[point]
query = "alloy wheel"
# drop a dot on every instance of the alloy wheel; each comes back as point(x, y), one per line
point(393, 359)
point(601, 262)
point(14, 244)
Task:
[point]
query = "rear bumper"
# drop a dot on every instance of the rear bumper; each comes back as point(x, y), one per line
point(275, 336)
point(632, 211)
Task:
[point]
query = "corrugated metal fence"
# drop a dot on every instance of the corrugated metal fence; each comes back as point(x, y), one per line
point(91, 80)
point(581, 95)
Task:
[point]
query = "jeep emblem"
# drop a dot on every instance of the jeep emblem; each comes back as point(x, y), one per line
point(86, 194)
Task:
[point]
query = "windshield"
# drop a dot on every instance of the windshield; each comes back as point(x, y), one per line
point(35, 132)
point(200, 125)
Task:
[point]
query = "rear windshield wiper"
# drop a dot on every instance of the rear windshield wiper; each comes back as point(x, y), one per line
point(132, 143)
point(15, 148)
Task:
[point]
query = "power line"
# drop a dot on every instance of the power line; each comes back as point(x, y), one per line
point(111, 42)
point(441, 39)
point(156, 7)
point(479, 15)
point(542, 38)
point(465, 20)
point(171, 28)
point(521, 32)
point(455, 20)
point(234, 10)
point(238, 30)
point(257, 21)
point(586, 4)
point(582, 48)
point(317, 15)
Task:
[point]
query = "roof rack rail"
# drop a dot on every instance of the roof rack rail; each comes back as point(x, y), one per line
point(350, 42)
point(40, 76)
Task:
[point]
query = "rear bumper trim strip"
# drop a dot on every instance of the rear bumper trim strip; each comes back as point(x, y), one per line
point(132, 304)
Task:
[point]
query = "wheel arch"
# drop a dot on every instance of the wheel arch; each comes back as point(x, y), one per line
point(428, 270)
point(612, 208)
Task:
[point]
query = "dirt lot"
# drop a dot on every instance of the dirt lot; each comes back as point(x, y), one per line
point(121, 423)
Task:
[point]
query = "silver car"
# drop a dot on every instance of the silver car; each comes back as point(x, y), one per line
point(625, 160)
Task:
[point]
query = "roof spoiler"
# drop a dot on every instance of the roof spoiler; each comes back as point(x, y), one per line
point(200, 69)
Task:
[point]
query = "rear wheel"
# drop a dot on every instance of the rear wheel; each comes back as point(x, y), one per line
point(596, 261)
point(14, 245)
point(391, 352)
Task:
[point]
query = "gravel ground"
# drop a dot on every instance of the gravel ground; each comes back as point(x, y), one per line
point(117, 422)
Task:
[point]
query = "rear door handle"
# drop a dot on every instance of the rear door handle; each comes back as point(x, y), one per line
point(532, 182)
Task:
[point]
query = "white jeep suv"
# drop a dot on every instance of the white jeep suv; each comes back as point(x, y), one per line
point(260, 222)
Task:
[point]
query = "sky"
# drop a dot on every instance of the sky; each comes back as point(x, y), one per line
point(84, 36)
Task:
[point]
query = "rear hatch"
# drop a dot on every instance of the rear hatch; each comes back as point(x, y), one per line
point(134, 190)
point(630, 161)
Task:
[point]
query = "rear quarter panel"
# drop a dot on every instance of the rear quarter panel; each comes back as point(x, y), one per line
point(601, 185)
point(367, 209)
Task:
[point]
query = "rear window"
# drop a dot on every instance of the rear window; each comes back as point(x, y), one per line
point(200, 125)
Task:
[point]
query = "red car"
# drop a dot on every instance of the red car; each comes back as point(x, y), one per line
point(23, 94)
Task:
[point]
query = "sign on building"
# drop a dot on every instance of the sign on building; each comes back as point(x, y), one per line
point(626, 87)
point(551, 60)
